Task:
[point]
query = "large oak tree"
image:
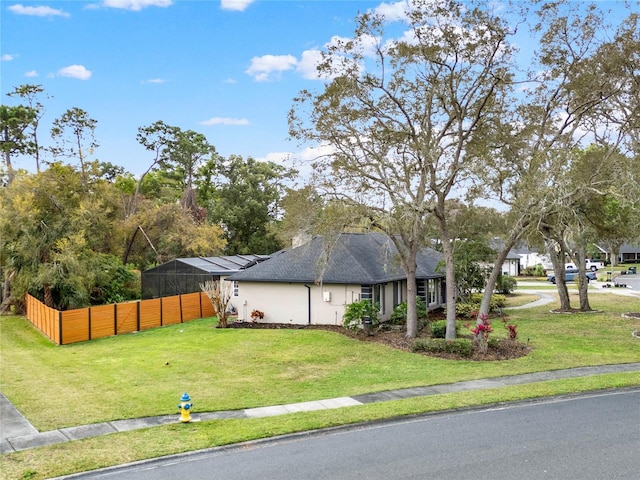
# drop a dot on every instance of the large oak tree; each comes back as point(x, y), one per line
point(400, 116)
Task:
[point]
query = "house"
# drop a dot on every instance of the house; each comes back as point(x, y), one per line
point(530, 257)
point(314, 282)
point(517, 259)
point(511, 265)
point(184, 275)
point(629, 253)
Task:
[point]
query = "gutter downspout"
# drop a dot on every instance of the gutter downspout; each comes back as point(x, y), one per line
point(308, 303)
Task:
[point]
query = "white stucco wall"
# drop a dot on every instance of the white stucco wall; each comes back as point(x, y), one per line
point(510, 267)
point(289, 302)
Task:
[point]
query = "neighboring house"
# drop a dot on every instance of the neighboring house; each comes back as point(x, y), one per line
point(314, 282)
point(511, 264)
point(184, 275)
point(516, 260)
point(530, 257)
point(629, 253)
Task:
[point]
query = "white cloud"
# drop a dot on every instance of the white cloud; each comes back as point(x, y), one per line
point(308, 64)
point(225, 121)
point(237, 5)
point(39, 11)
point(262, 67)
point(310, 154)
point(282, 158)
point(75, 71)
point(7, 57)
point(136, 5)
point(394, 11)
point(154, 80)
point(31, 73)
point(230, 80)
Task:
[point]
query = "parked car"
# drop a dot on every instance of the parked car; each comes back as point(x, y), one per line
point(592, 265)
point(570, 275)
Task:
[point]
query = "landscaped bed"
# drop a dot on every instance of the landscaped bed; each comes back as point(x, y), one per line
point(145, 374)
point(500, 349)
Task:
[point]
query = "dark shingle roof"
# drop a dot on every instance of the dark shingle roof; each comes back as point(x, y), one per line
point(353, 258)
point(224, 265)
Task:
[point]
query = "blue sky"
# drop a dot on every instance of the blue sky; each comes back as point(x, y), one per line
point(228, 69)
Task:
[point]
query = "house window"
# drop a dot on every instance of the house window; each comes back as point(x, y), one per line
point(422, 291)
point(379, 297)
point(373, 293)
point(236, 289)
point(431, 292)
point(397, 293)
point(366, 292)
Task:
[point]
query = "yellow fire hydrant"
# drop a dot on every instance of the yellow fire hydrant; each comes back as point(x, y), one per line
point(184, 406)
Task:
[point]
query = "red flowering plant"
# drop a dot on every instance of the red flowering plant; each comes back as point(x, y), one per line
point(511, 327)
point(481, 332)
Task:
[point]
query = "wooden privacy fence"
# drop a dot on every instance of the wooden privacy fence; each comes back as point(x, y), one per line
point(71, 326)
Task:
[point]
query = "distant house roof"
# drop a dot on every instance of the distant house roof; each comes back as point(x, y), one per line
point(353, 258)
point(224, 265)
point(516, 252)
point(630, 248)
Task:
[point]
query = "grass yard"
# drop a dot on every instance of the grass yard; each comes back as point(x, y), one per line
point(146, 373)
point(518, 299)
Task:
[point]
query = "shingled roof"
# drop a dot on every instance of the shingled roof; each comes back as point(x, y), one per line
point(352, 258)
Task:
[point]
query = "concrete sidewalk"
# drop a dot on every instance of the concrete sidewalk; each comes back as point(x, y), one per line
point(16, 433)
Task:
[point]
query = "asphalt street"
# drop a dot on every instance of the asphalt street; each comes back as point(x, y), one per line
point(584, 437)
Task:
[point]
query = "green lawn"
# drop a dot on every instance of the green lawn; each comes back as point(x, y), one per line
point(145, 374)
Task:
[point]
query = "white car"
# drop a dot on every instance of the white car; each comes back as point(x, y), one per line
point(592, 265)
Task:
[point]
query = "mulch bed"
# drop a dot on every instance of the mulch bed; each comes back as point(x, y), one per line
point(504, 350)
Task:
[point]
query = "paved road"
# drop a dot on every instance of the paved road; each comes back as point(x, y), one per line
point(587, 437)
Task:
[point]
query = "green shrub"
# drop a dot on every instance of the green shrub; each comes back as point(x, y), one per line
point(399, 315)
point(506, 284)
point(471, 308)
point(356, 312)
point(439, 328)
point(467, 310)
point(459, 346)
point(497, 301)
point(537, 271)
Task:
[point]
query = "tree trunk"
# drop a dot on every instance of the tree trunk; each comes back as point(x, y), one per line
point(516, 234)
point(557, 259)
point(10, 172)
point(48, 296)
point(447, 250)
point(6, 291)
point(412, 293)
point(583, 284)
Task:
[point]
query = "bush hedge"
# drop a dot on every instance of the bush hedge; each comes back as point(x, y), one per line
point(439, 328)
point(459, 346)
point(468, 309)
